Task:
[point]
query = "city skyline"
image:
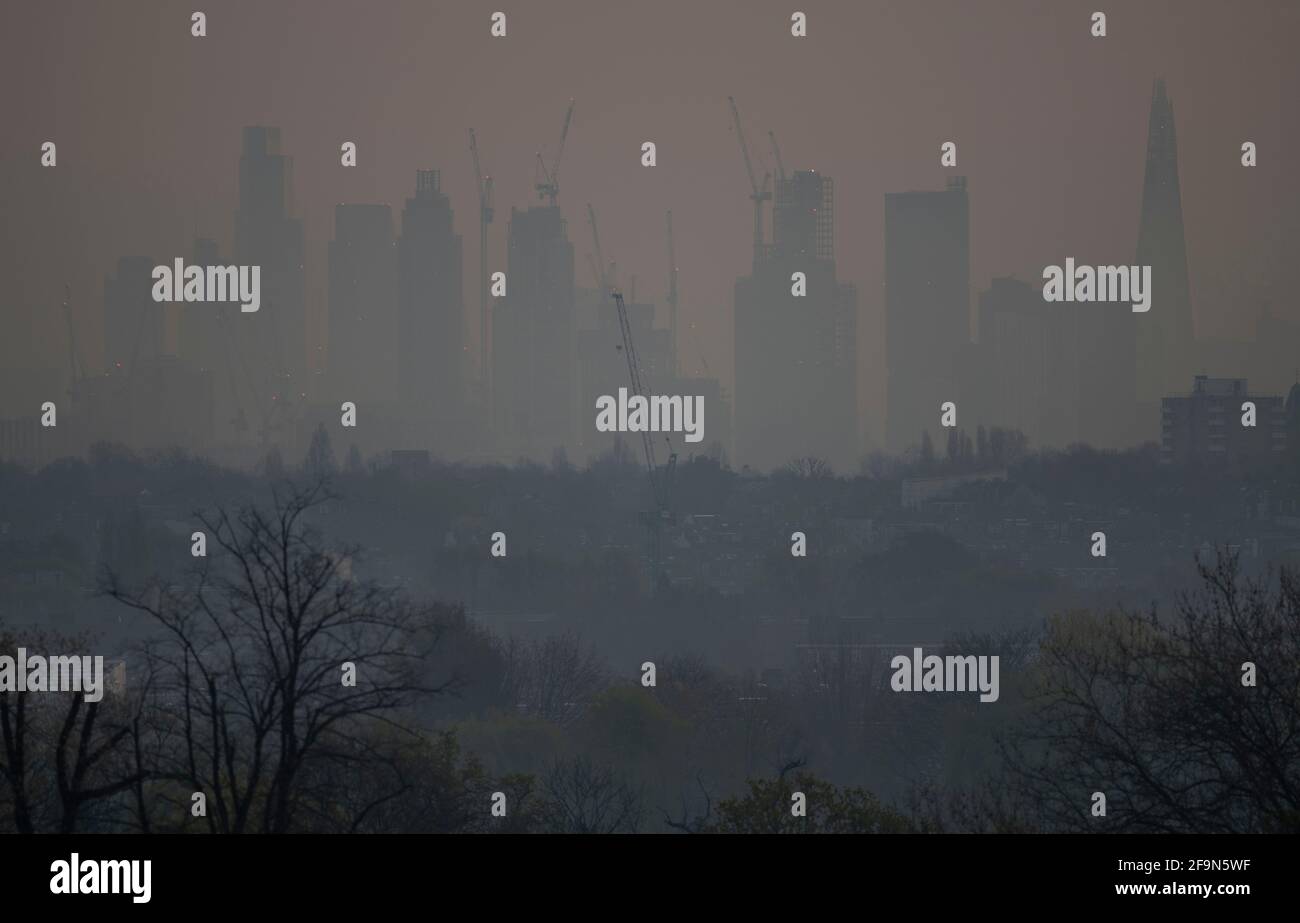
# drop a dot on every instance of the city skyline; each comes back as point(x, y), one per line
point(650, 418)
point(707, 318)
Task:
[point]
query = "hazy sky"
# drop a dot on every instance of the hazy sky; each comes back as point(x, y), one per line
point(1050, 125)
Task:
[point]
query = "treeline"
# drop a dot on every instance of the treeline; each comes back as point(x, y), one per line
point(276, 692)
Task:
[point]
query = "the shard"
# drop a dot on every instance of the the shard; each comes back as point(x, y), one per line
point(1164, 334)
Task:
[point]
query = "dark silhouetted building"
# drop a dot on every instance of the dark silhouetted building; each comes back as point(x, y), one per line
point(927, 307)
point(1205, 426)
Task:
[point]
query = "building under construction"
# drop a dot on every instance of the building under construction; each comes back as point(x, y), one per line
point(796, 355)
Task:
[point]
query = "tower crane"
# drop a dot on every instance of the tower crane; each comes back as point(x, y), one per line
point(602, 273)
point(660, 483)
point(776, 151)
point(549, 188)
point(758, 194)
point(606, 272)
point(595, 273)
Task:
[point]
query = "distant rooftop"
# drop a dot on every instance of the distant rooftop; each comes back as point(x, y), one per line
point(1218, 387)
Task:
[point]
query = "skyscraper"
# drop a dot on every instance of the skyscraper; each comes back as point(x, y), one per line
point(927, 307)
point(1028, 373)
point(796, 354)
point(534, 385)
point(203, 325)
point(134, 323)
point(431, 358)
point(1165, 333)
point(148, 399)
point(208, 347)
point(272, 342)
point(363, 320)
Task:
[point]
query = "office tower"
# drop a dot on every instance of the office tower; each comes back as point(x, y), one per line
point(718, 436)
point(1028, 364)
point(431, 348)
point(272, 342)
point(796, 354)
point(147, 400)
point(534, 385)
point(1109, 414)
point(1164, 334)
point(203, 326)
point(134, 324)
point(208, 347)
point(171, 404)
point(927, 307)
point(363, 317)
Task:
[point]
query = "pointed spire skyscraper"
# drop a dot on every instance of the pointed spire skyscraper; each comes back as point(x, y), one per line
point(1165, 341)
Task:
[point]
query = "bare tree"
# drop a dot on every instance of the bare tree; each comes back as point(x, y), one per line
point(255, 655)
point(552, 678)
point(808, 466)
point(63, 757)
point(1185, 724)
point(582, 797)
point(688, 822)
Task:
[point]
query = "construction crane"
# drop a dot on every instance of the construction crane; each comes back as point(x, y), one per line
point(267, 408)
point(660, 484)
point(776, 151)
point(602, 273)
point(549, 188)
point(758, 194)
point(672, 298)
point(596, 274)
point(485, 212)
